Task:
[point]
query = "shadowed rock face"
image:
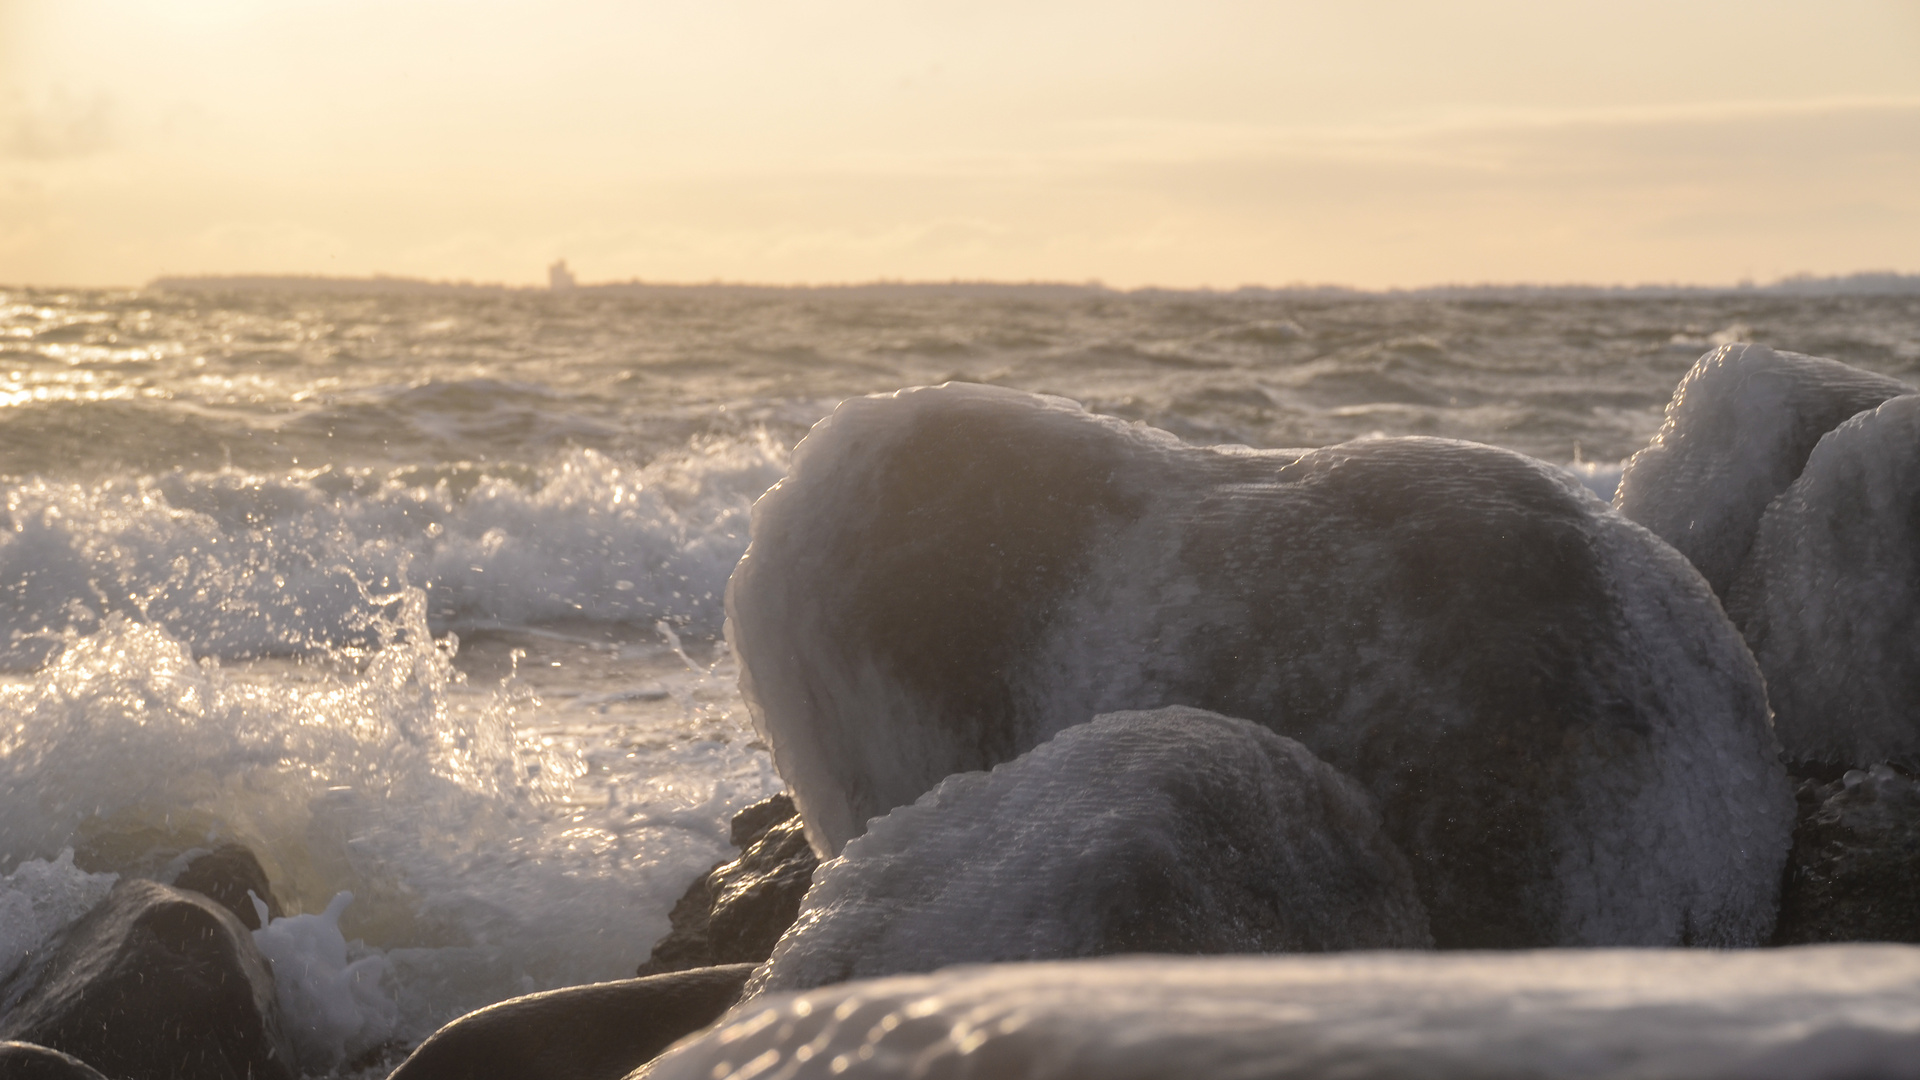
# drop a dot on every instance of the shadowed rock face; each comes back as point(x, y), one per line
point(1854, 874)
point(226, 874)
point(596, 1032)
point(157, 983)
point(1563, 732)
point(1737, 432)
point(735, 912)
point(1171, 831)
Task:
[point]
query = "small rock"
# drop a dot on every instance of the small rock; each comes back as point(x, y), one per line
point(25, 1061)
point(157, 983)
point(597, 1032)
point(1854, 872)
point(225, 875)
point(735, 913)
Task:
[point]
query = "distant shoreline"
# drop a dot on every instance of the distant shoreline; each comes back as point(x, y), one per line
point(1862, 284)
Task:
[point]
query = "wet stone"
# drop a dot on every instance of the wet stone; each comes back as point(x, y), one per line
point(737, 911)
point(1854, 872)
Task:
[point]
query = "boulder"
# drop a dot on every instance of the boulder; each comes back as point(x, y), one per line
point(1829, 595)
point(156, 983)
point(597, 1032)
point(25, 1061)
point(735, 912)
point(1172, 831)
point(1811, 1013)
point(1562, 731)
point(1737, 432)
point(1854, 872)
point(226, 875)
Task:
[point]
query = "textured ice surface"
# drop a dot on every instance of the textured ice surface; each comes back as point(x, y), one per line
point(1175, 831)
point(1738, 430)
point(1786, 1014)
point(1829, 598)
point(333, 1008)
point(1563, 731)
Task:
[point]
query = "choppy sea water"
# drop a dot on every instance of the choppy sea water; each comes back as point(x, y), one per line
point(419, 597)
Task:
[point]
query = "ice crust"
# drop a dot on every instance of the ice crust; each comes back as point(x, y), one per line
point(1564, 733)
point(1829, 598)
point(1737, 432)
point(1822, 1013)
point(1171, 831)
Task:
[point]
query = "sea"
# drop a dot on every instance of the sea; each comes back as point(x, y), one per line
point(419, 596)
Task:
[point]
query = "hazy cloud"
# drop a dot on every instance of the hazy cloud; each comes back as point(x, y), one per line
point(57, 125)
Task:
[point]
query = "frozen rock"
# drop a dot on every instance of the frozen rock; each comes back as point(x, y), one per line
point(1562, 730)
point(1738, 430)
point(1172, 831)
point(735, 912)
point(156, 983)
point(597, 1032)
point(1854, 872)
point(1829, 598)
point(1821, 1013)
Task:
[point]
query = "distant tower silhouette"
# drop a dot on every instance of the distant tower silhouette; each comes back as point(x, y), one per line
point(559, 278)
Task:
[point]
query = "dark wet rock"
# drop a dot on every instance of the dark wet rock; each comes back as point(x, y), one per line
point(226, 874)
point(1854, 872)
point(26, 1061)
point(737, 911)
point(1738, 431)
point(597, 1032)
point(156, 983)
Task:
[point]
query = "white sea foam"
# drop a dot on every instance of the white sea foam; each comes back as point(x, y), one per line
point(241, 564)
point(482, 871)
point(38, 900)
point(333, 1008)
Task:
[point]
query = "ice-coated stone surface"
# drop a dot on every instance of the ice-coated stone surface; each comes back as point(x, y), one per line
point(1823, 1013)
point(1738, 430)
point(1171, 831)
point(1829, 598)
point(1562, 730)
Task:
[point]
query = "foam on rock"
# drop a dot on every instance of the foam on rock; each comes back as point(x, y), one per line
point(1822, 1013)
point(1738, 430)
point(1829, 598)
point(1562, 730)
point(1172, 831)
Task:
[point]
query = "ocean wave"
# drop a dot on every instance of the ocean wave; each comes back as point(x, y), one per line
point(239, 564)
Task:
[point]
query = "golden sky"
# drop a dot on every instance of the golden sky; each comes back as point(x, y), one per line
point(1206, 142)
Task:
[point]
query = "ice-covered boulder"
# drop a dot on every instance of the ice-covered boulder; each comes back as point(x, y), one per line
point(1822, 1013)
point(1829, 597)
point(1738, 430)
point(1171, 831)
point(1562, 730)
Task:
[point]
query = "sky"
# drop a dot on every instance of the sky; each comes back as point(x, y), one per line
point(1372, 143)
